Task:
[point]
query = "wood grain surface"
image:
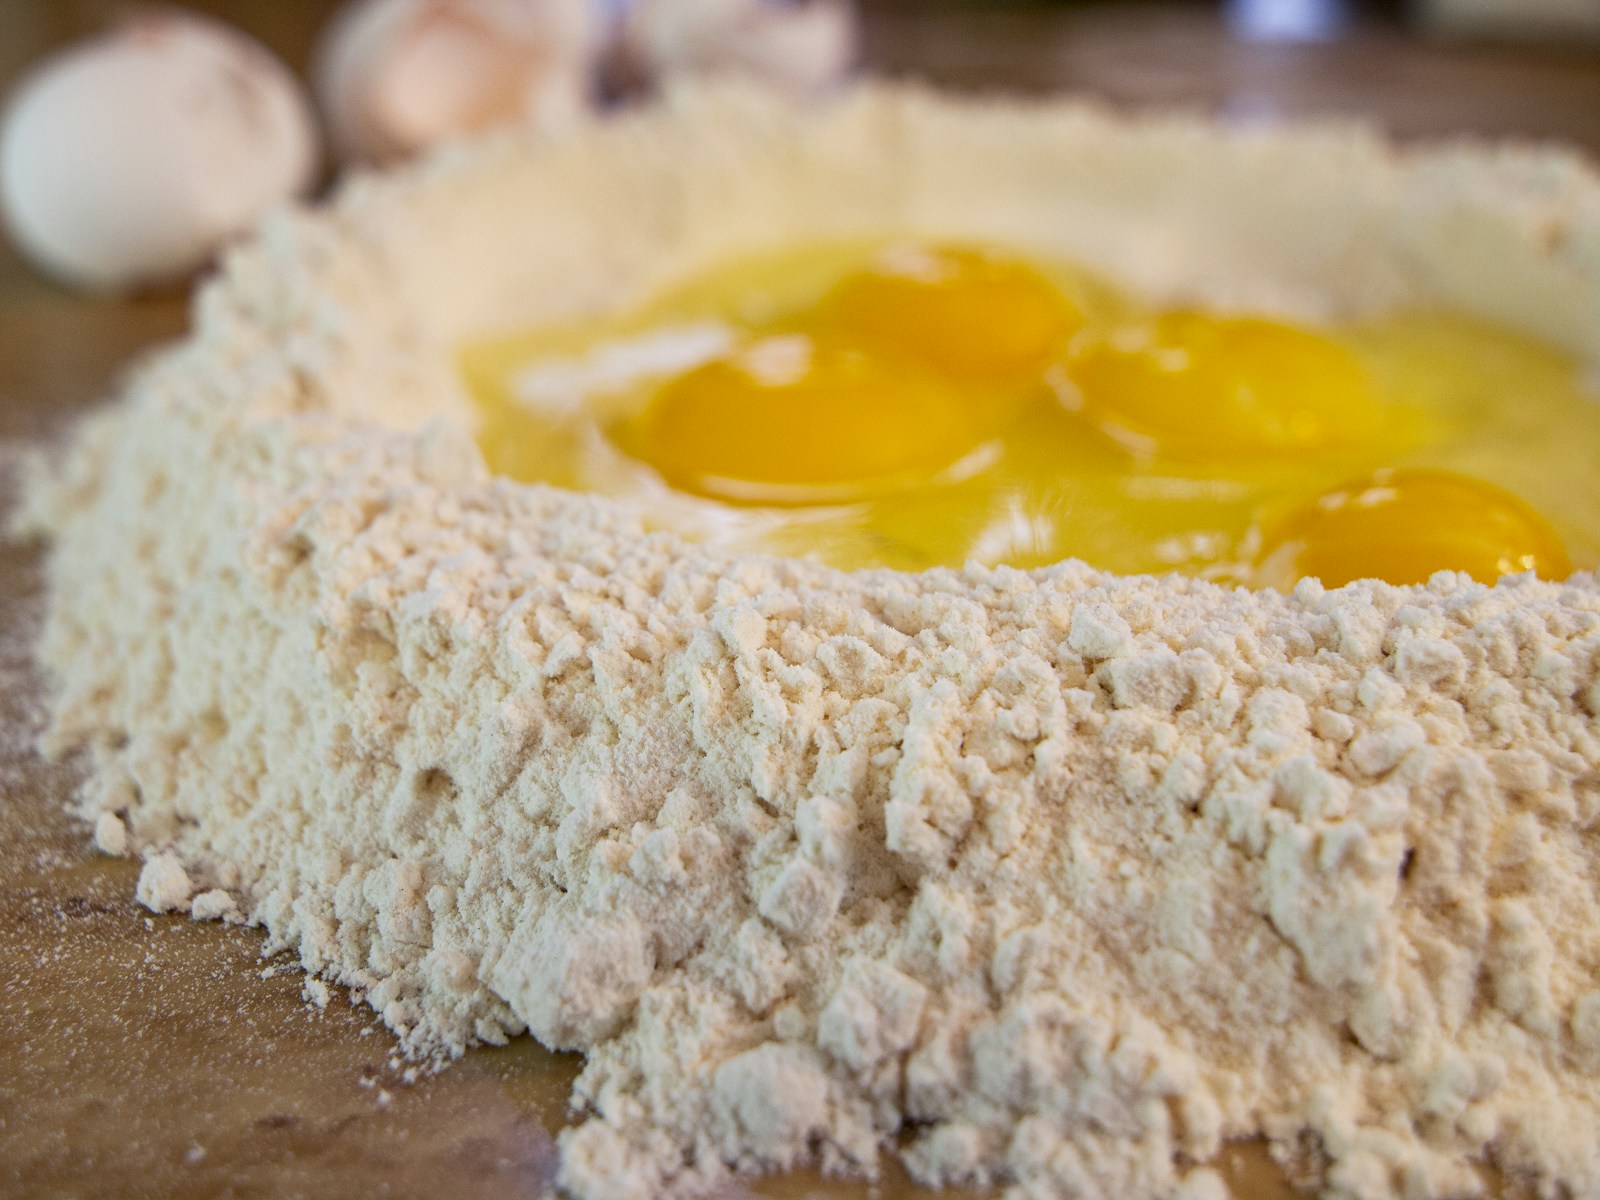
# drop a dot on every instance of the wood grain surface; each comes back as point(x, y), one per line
point(155, 1056)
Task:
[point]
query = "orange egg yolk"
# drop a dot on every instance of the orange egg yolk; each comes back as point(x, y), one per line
point(975, 317)
point(1403, 525)
point(796, 418)
point(1190, 386)
point(913, 405)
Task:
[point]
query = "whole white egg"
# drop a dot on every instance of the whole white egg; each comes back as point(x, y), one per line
point(129, 158)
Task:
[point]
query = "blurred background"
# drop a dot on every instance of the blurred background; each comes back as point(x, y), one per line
point(1497, 68)
point(1511, 66)
point(1500, 68)
point(1527, 69)
point(1519, 68)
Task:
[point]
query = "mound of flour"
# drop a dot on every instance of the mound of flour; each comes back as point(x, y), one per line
point(1051, 879)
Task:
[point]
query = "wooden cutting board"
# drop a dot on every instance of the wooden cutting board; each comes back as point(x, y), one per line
point(156, 1056)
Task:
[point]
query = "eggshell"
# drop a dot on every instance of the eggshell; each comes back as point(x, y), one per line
point(129, 158)
point(397, 76)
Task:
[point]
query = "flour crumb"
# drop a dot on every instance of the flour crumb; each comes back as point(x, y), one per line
point(215, 905)
point(1098, 632)
point(111, 835)
point(163, 884)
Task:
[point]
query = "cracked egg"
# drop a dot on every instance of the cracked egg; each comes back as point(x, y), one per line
point(916, 403)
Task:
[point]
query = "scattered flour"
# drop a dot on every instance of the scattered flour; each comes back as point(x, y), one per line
point(1052, 879)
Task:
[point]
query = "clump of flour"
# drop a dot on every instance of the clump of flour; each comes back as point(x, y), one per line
point(1056, 879)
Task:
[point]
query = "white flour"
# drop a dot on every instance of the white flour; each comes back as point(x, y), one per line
point(1062, 877)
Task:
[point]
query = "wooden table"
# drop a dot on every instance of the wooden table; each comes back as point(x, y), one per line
point(153, 1056)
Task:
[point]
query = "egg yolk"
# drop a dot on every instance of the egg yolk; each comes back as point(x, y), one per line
point(975, 317)
point(797, 418)
point(913, 405)
point(1190, 386)
point(1403, 525)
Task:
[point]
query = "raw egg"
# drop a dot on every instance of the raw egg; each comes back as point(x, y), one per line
point(1401, 526)
point(978, 317)
point(913, 404)
point(796, 418)
point(1194, 386)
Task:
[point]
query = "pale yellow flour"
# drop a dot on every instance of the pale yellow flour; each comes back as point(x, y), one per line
point(1062, 877)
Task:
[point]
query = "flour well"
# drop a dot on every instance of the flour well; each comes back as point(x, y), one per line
point(1061, 878)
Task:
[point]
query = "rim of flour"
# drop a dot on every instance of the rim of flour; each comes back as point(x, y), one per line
point(367, 301)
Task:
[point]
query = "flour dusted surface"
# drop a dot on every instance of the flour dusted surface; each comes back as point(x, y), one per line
point(1064, 878)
